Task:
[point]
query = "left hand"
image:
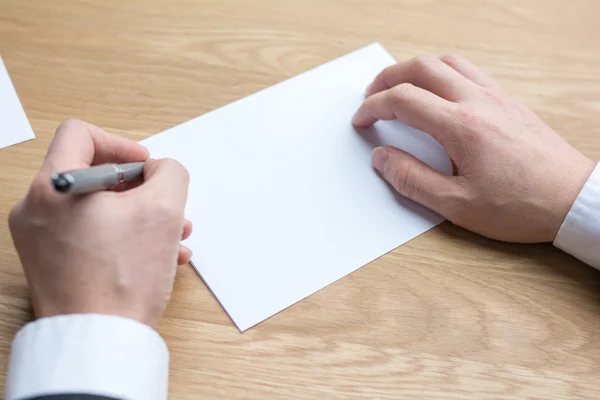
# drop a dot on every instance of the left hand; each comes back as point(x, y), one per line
point(515, 179)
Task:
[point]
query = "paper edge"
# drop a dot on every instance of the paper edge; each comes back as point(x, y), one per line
point(31, 133)
point(332, 282)
point(373, 44)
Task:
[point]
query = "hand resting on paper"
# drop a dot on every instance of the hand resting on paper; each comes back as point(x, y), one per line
point(514, 178)
point(112, 252)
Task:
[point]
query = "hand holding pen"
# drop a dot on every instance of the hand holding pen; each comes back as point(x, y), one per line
point(97, 177)
point(106, 252)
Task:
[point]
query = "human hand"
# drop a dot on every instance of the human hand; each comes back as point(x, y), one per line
point(111, 252)
point(514, 179)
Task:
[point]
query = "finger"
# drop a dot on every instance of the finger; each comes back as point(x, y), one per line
point(414, 179)
point(184, 256)
point(428, 73)
point(469, 70)
point(187, 229)
point(128, 185)
point(412, 105)
point(165, 181)
point(77, 144)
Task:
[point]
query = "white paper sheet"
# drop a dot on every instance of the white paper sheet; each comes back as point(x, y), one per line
point(14, 125)
point(282, 195)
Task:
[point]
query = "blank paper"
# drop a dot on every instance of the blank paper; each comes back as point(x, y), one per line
point(14, 126)
point(282, 195)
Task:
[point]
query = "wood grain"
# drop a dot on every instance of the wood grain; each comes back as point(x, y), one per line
point(448, 315)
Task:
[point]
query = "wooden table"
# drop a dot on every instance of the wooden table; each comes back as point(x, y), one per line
point(448, 315)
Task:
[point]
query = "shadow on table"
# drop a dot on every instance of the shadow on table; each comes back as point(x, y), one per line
point(545, 255)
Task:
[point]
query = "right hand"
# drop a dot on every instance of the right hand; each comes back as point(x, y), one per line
point(514, 179)
point(107, 252)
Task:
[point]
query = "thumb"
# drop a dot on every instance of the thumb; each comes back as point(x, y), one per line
point(414, 179)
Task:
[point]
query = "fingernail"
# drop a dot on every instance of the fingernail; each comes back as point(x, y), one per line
point(380, 158)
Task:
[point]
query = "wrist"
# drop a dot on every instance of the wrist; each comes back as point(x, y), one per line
point(568, 189)
point(48, 309)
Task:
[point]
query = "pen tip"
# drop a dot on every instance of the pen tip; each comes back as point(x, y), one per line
point(61, 184)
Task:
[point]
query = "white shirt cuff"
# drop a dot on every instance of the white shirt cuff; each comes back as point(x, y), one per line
point(579, 234)
point(104, 355)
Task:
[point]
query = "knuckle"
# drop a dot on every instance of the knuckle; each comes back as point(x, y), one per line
point(385, 76)
point(175, 166)
point(69, 124)
point(401, 93)
point(39, 201)
point(458, 143)
point(456, 204)
point(466, 116)
point(493, 96)
point(387, 72)
point(166, 209)
point(452, 58)
point(406, 178)
point(425, 63)
point(14, 216)
point(182, 170)
point(39, 191)
point(474, 126)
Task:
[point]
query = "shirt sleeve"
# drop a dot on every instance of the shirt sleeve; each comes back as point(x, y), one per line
point(579, 234)
point(104, 355)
